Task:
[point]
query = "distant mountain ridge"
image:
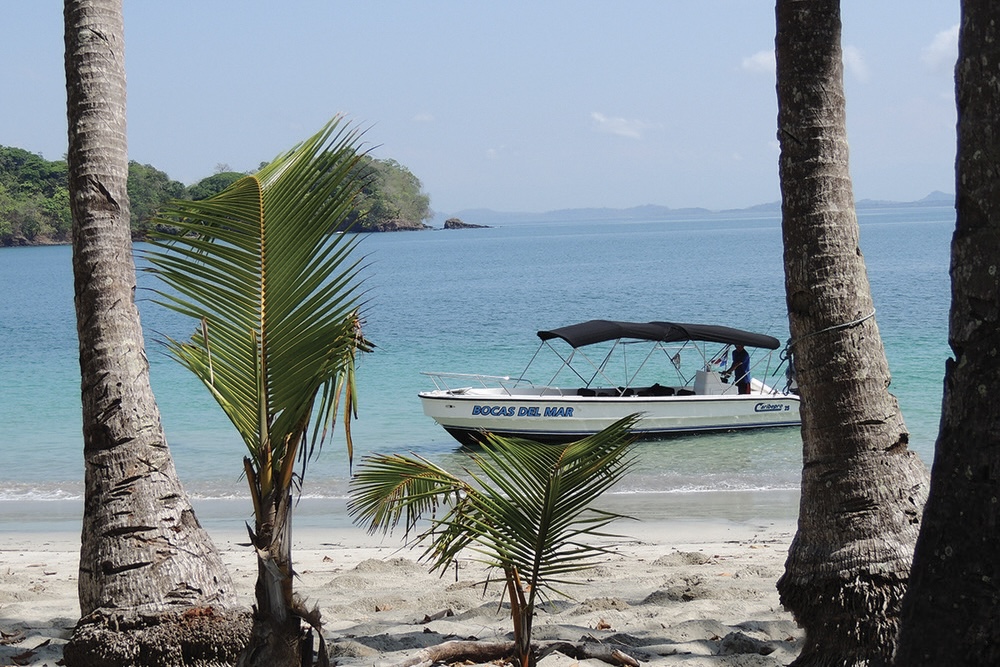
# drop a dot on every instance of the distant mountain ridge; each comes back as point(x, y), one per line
point(656, 212)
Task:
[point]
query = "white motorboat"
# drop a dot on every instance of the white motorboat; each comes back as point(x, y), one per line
point(585, 395)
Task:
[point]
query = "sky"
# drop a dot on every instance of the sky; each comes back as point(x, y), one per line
point(526, 106)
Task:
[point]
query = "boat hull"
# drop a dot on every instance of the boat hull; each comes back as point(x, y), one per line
point(468, 414)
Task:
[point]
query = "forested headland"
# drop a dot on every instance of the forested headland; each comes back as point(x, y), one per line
point(34, 197)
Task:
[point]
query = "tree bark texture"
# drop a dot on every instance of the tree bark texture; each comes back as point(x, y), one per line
point(951, 614)
point(862, 489)
point(279, 638)
point(143, 551)
point(200, 637)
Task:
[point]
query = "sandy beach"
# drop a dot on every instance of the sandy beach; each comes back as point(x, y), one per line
point(692, 583)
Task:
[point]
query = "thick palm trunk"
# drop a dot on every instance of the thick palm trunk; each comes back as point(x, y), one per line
point(862, 489)
point(950, 614)
point(143, 551)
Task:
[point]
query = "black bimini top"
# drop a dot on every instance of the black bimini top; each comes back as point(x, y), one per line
point(598, 331)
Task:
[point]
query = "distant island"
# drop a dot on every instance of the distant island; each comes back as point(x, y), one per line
point(34, 197)
point(34, 202)
point(652, 212)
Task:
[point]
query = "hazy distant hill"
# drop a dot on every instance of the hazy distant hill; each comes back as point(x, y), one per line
point(484, 216)
point(936, 198)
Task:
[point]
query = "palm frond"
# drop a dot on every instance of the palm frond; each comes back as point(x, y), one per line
point(391, 487)
point(522, 504)
point(278, 293)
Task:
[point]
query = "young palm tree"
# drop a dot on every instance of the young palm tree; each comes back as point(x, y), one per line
point(276, 297)
point(524, 508)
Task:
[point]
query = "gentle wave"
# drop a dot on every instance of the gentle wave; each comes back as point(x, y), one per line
point(36, 494)
point(706, 489)
point(19, 493)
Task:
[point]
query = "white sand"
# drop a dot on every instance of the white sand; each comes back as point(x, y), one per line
point(693, 592)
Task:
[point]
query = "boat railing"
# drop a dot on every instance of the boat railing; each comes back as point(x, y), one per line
point(461, 382)
point(440, 380)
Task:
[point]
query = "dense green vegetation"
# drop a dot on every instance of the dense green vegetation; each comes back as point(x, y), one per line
point(391, 195)
point(34, 199)
point(148, 190)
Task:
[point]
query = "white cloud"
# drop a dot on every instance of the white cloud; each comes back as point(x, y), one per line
point(761, 62)
point(623, 127)
point(854, 63)
point(942, 52)
point(424, 117)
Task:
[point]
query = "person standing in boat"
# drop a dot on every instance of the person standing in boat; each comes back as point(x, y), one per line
point(741, 368)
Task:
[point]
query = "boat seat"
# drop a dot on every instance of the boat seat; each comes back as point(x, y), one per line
point(656, 390)
point(585, 391)
point(685, 392)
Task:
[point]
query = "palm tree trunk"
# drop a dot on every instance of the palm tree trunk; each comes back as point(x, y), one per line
point(278, 638)
point(522, 613)
point(950, 610)
point(143, 551)
point(862, 489)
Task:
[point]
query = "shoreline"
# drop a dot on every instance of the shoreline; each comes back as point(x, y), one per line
point(227, 514)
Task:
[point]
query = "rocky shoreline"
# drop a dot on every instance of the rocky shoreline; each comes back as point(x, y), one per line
point(389, 226)
point(455, 223)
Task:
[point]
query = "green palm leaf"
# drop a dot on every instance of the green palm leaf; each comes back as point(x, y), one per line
point(521, 505)
point(277, 296)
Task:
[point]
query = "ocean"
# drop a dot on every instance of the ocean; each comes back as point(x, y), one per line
point(471, 301)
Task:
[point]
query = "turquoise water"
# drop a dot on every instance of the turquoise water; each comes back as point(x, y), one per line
point(471, 301)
